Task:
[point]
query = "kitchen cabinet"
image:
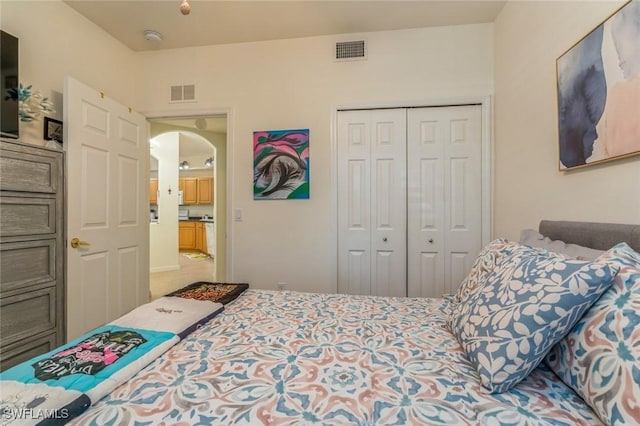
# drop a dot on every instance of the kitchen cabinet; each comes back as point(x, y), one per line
point(187, 235)
point(196, 190)
point(192, 236)
point(153, 191)
point(189, 188)
point(201, 237)
point(205, 190)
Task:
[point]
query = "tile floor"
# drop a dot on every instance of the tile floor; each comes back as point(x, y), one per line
point(191, 270)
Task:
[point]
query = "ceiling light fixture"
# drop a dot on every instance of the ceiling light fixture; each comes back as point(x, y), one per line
point(184, 165)
point(185, 8)
point(208, 162)
point(153, 36)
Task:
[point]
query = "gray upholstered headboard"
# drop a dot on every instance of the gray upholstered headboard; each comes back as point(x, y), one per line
point(601, 236)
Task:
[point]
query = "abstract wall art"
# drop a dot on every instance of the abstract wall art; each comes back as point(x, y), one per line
point(599, 92)
point(281, 164)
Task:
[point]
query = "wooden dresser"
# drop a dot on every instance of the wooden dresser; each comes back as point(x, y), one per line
point(32, 279)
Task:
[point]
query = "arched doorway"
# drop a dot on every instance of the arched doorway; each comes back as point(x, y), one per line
point(187, 241)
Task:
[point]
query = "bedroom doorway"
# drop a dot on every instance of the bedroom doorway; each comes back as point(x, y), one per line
point(188, 238)
point(411, 216)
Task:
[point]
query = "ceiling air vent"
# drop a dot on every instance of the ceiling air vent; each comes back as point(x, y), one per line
point(182, 93)
point(351, 50)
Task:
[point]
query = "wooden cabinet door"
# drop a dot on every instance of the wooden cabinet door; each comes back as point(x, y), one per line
point(204, 239)
point(153, 191)
point(187, 236)
point(199, 236)
point(205, 190)
point(190, 191)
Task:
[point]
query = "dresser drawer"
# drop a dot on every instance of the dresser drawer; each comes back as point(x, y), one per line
point(27, 314)
point(27, 216)
point(26, 349)
point(29, 173)
point(25, 264)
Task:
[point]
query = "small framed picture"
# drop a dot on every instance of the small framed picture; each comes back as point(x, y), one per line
point(52, 130)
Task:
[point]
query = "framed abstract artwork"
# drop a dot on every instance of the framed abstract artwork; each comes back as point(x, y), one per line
point(281, 164)
point(599, 92)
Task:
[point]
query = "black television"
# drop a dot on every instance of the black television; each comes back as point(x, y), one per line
point(10, 126)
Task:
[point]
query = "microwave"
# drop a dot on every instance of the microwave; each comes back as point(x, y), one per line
point(180, 198)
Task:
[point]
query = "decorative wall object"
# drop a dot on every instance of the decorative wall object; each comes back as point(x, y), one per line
point(599, 92)
point(281, 164)
point(31, 102)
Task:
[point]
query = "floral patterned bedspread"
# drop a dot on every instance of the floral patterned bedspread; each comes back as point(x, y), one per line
point(283, 358)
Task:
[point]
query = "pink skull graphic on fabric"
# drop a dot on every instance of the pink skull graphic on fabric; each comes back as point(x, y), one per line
point(90, 356)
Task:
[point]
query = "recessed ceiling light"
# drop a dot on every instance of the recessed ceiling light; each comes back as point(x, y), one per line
point(153, 36)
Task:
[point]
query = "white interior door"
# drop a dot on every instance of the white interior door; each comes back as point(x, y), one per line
point(372, 202)
point(445, 196)
point(107, 207)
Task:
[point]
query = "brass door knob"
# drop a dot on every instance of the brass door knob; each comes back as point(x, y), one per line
point(76, 242)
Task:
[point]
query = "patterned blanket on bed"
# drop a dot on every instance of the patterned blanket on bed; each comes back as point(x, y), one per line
point(296, 358)
point(59, 385)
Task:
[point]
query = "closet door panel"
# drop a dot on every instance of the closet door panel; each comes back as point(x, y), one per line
point(354, 202)
point(463, 191)
point(389, 202)
point(425, 219)
point(372, 202)
point(444, 196)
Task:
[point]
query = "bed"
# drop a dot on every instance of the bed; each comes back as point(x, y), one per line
point(281, 358)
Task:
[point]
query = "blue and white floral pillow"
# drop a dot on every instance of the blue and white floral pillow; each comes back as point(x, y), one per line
point(528, 303)
point(600, 357)
point(487, 259)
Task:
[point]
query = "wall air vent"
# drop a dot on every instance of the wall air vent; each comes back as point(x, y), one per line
point(182, 93)
point(351, 50)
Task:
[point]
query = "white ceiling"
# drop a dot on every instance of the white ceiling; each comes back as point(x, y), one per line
point(221, 22)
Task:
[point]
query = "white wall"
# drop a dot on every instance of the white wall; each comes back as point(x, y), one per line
point(56, 41)
point(529, 36)
point(296, 84)
point(163, 235)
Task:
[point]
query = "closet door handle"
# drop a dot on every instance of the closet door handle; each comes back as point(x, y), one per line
point(384, 239)
point(430, 240)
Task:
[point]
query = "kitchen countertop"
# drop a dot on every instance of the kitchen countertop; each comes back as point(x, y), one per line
point(197, 219)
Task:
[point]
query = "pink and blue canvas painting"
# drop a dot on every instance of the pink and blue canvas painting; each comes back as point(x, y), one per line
point(599, 92)
point(281, 164)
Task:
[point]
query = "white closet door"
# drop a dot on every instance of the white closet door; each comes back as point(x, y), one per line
point(372, 202)
point(354, 202)
point(389, 202)
point(444, 197)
